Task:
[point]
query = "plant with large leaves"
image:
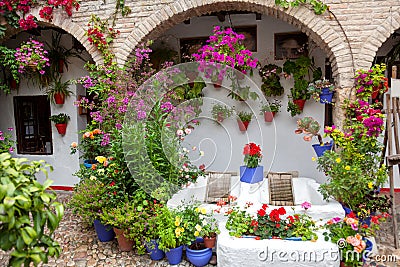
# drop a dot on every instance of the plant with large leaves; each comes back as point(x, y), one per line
point(29, 214)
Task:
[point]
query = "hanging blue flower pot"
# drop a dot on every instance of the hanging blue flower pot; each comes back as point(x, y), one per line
point(174, 255)
point(156, 254)
point(105, 233)
point(320, 150)
point(89, 162)
point(198, 254)
point(368, 249)
point(326, 96)
point(251, 175)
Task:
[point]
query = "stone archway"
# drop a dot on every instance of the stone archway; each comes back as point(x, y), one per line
point(326, 32)
point(371, 45)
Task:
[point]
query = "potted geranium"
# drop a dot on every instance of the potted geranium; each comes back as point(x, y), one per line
point(240, 222)
point(60, 121)
point(220, 112)
point(322, 91)
point(251, 172)
point(32, 55)
point(310, 128)
point(269, 110)
point(209, 230)
point(244, 120)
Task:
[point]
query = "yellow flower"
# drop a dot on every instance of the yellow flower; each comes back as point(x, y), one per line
point(197, 209)
point(203, 210)
point(347, 168)
point(313, 158)
point(101, 159)
point(338, 160)
point(196, 233)
point(177, 221)
point(370, 185)
point(198, 227)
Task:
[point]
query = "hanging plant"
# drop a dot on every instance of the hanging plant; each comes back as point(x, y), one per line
point(32, 56)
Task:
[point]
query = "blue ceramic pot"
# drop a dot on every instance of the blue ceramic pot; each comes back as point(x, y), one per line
point(320, 150)
point(105, 233)
point(156, 254)
point(326, 96)
point(294, 238)
point(251, 175)
point(89, 162)
point(199, 257)
point(174, 255)
point(368, 249)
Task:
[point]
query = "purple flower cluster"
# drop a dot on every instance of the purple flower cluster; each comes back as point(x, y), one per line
point(32, 53)
point(374, 125)
point(167, 107)
point(226, 47)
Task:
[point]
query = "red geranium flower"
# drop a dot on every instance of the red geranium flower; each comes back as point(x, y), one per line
point(261, 212)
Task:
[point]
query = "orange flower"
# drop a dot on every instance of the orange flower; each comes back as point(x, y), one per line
point(91, 136)
point(96, 131)
point(86, 135)
point(93, 166)
point(74, 144)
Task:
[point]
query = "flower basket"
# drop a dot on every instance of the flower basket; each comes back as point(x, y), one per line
point(300, 103)
point(251, 175)
point(326, 96)
point(88, 163)
point(320, 150)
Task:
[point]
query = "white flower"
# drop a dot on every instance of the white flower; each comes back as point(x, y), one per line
point(186, 176)
point(185, 149)
point(179, 132)
point(194, 148)
point(92, 178)
point(188, 130)
point(204, 222)
point(201, 153)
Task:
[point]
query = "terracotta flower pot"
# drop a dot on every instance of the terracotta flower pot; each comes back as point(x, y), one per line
point(209, 242)
point(124, 243)
point(61, 128)
point(59, 98)
point(269, 116)
point(243, 125)
point(217, 84)
point(300, 103)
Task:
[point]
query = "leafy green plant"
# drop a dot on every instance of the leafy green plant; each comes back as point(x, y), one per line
point(88, 197)
point(271, 85)
point(310, 128)
point(59, 118)
point(315, 88)
point(317, 6)
point(271, 107)
point(245, 116)
point(9, 68)
point(293, 109)
point(58, 87)
point(29, 214)
point(300, 70)
point(6, 144)
point(239, 222)
point(209, 227)
point(303, 226)
point(219, 111)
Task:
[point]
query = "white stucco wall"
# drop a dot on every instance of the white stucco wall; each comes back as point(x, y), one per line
point(223, 146)
point(64, 164)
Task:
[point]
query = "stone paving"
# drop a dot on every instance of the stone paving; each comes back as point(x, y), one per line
point(81, 248)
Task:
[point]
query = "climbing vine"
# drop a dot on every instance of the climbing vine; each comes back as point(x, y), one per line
point(317, 5)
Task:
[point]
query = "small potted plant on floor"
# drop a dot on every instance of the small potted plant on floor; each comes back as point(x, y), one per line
point(60, 121)
point(220, 112)
point(322, 91)
point(269, 110)
point(58, 90)
point(209, 231)
point(244, 120)
point(310, 128)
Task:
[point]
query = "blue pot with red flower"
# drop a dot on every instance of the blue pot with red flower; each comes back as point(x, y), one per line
point(251, 175)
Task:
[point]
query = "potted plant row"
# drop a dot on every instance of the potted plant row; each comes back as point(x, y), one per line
point(60, 121)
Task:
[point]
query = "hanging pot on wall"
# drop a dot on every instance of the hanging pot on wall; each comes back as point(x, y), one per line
point(300, 103)
point(61, 128)
point(59, 98)
point(243, 125)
